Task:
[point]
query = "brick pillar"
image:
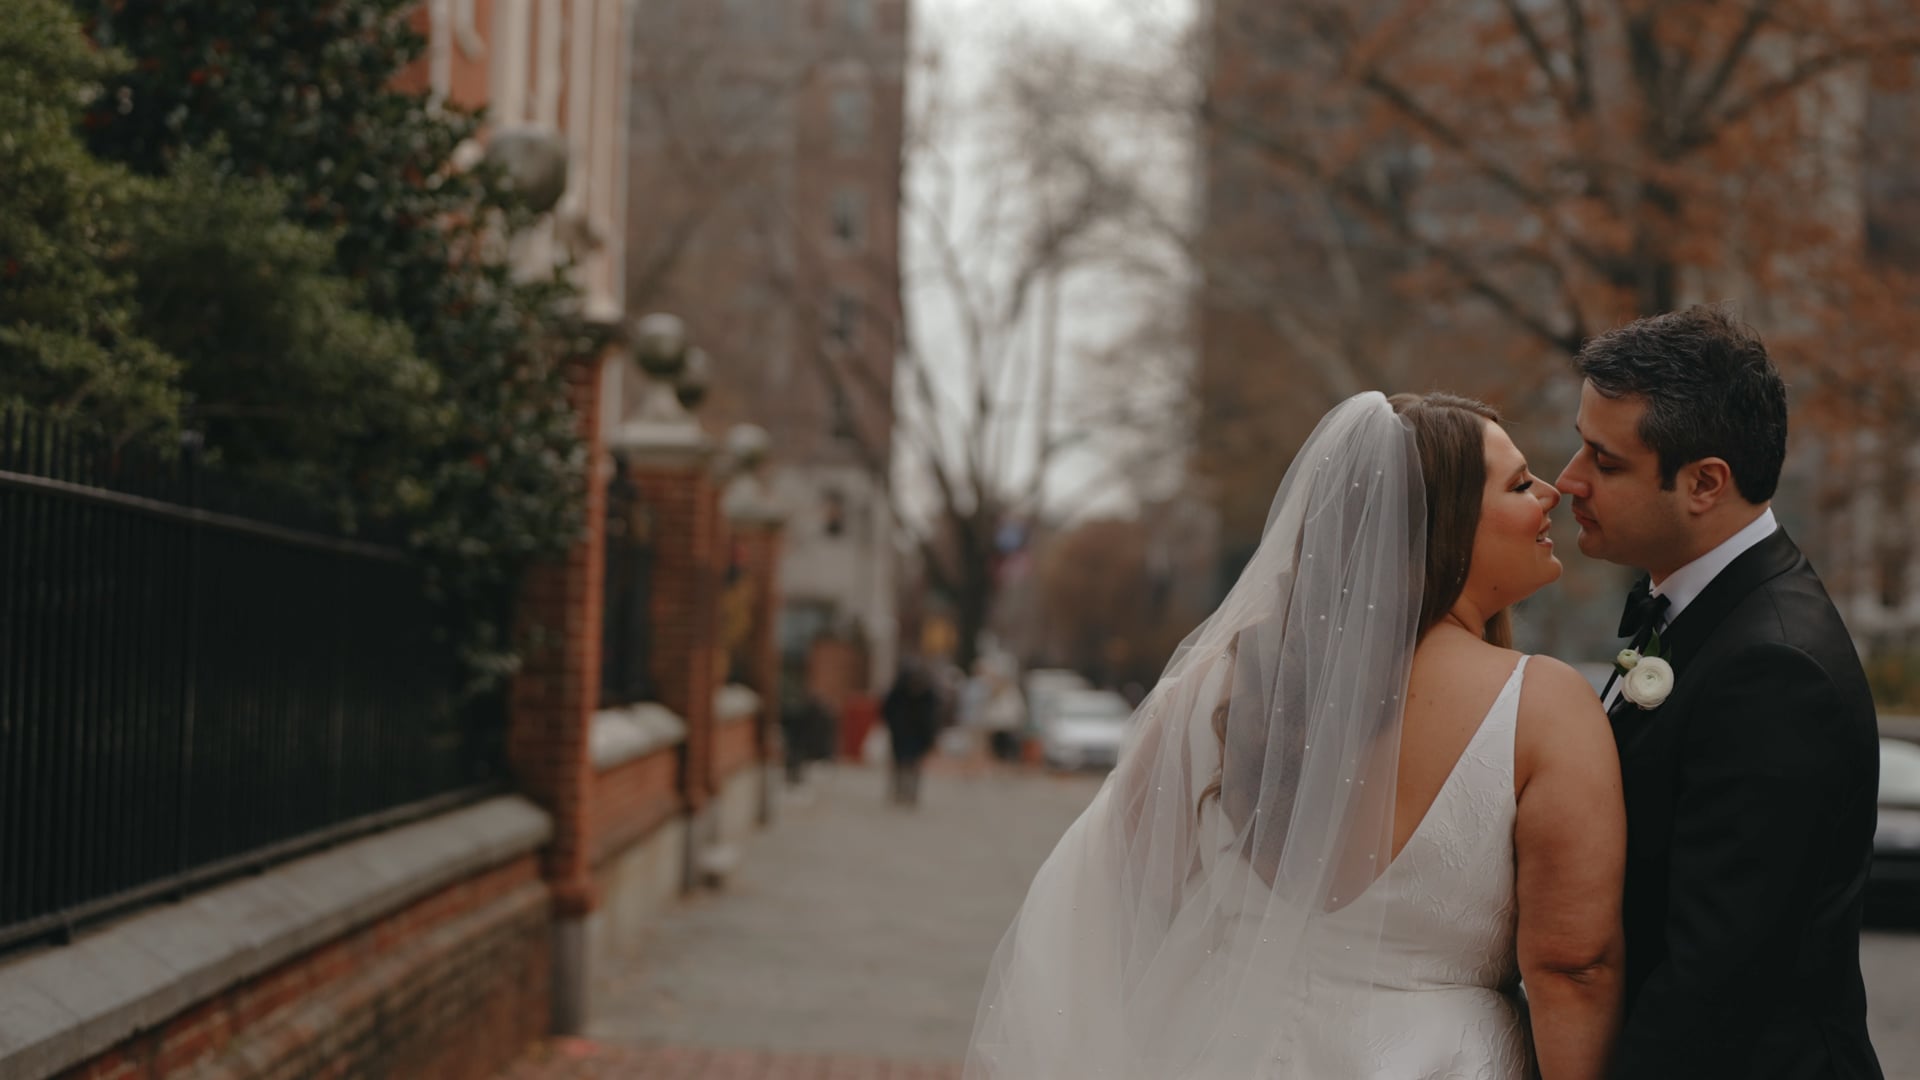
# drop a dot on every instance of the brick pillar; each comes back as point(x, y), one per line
point(718, 659)
point(764, 551)
point(669, 461)
point(761, 542)
point(757, 524)
point(686, 586)
point(553, 700)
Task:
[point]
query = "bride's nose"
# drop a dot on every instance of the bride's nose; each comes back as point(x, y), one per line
point(1549, 494)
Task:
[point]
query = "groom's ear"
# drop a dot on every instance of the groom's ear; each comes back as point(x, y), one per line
point(1707, 483)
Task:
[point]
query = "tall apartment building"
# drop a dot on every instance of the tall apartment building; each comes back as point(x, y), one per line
point(764, 209)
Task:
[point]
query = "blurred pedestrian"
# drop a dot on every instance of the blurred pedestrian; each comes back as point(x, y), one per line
point(802, 720)
point(1004, 715)
point(912, 714)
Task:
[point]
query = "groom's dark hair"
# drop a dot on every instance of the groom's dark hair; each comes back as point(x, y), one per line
point(1710, 391)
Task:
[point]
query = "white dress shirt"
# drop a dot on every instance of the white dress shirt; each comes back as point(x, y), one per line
point(1684, 586)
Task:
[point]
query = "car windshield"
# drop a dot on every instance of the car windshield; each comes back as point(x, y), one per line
point(1899, 773)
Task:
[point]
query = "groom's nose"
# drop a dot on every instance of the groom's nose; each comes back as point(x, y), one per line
point(1569, 481)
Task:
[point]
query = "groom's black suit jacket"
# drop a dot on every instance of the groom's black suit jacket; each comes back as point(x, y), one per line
point(1750, 816)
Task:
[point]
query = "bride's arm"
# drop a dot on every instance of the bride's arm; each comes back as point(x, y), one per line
point(1570, 842)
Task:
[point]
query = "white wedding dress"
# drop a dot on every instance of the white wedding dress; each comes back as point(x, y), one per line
point(1443, 1002)
point(1220, 911)
point(1439, 979)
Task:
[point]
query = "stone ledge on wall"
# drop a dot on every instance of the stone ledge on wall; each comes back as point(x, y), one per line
point(628, 732)
point(64, 1005)
point(733, 702)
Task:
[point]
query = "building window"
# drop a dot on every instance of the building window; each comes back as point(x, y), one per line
point(856, 16)
point(850, 217)
point(840, 422)
point(843, 319)
point(851, 119)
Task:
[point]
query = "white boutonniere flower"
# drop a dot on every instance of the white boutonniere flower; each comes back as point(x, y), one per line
point(1648, 683)
point(1645, 678)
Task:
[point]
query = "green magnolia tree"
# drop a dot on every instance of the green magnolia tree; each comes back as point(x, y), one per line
point(266, 329)
point(307, 95)
point(70, 339)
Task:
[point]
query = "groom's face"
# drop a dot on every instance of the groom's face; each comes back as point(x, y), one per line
point(1613, 486)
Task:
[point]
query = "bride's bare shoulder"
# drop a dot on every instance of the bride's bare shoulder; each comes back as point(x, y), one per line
point(1561, 725)
point(1555, 687)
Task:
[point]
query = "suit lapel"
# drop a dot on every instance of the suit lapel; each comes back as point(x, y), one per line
point(1620, 710)
point(1688, 634)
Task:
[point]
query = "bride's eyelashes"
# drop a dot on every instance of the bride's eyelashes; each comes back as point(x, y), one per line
point(1523, 488)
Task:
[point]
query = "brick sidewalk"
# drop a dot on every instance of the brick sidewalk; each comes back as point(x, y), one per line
point(583, 1059)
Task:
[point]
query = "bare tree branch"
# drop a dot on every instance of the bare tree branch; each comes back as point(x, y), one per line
point(1542, 57)
point(1729, 62)
point(1580, 49)
point(1707, 132)
point(1471, 276)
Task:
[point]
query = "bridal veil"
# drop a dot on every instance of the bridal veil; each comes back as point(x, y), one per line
point(1209, 899)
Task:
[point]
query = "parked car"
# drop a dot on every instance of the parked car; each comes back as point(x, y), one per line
point(1893, 881)
point(1084, 729)
point(1043, 687)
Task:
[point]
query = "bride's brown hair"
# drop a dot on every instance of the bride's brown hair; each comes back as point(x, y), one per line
point(1451, 435)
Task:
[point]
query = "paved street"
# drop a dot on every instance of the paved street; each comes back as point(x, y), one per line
point(853, 942)
point(1891, 960)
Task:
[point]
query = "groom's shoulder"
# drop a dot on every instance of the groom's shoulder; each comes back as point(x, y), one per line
point(1787, 634)
point(1792, 608)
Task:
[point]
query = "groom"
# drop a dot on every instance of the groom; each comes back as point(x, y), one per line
point(1751, 787)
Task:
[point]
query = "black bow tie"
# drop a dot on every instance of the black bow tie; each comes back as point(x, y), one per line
point(1643, 610)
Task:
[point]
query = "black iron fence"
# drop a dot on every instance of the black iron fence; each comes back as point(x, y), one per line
point(185, 694)
point(626, 627)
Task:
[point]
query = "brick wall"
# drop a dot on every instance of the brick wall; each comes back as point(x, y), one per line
point(632, 800)
point(685, 650)
point(454, 986)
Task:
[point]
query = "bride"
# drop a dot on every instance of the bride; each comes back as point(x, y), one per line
point(1350, 821)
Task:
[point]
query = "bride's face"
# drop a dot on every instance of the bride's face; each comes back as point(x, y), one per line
point(1512, 555)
